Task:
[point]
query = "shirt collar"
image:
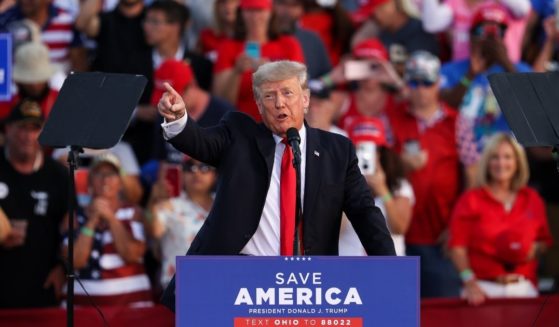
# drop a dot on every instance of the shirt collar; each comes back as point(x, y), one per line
point(302, 135)
point(158, 60)
point(428, 123)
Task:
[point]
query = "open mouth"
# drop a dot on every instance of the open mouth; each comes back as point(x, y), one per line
point(282, 117)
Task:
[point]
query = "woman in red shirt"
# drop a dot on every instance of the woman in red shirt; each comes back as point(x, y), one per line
point(498, 229)
point(256, 42)
point(332, 23)
point(225, 14)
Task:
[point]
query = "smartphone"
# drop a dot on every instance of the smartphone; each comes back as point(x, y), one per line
point(366, 153)
point(173, 176)
point(412, 147)
point(355, 70)
point(252, 49)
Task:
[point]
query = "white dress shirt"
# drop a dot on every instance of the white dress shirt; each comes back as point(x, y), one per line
point(158, 60)
point(266, 239)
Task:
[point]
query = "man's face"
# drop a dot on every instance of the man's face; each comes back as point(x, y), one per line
point(423, 94)
point(32, 7)
point(157, 28)
point(288, 12)
point(282, 105)
point(34, 90)
point(22, 139)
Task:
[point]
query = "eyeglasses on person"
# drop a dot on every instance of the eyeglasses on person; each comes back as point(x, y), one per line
point(415, 83)
point(200, 167)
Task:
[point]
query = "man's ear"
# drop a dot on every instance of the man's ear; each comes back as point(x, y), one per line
point(259, 106)
point(306, 98)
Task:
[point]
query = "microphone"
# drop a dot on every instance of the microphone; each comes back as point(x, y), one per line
point(294, 139)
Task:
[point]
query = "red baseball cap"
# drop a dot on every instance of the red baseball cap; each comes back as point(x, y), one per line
point(175, 72)
point(256, 4)
point(366, 9)
point(370, 49)
point(491, 13)
point(367, 129)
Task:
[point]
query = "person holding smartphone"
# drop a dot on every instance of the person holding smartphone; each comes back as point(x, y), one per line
point(374, 77)
point(425, 137)
point(465, 86)
point(174, 219)
point(256, 41)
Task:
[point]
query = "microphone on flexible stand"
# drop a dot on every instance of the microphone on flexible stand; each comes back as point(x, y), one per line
point(294, 140)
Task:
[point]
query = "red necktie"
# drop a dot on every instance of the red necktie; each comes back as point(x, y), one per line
point(287, 201)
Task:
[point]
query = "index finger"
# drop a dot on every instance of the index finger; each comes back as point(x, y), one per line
point(171, 90)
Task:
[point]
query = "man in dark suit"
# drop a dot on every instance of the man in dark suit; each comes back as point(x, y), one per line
point(245, 218)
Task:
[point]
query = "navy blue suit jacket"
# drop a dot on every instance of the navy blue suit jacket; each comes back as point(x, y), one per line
point(243, 152)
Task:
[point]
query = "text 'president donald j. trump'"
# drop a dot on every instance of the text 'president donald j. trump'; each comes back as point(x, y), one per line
point(254, 208)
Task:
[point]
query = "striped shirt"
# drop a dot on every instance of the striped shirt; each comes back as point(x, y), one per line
point(107, 278)
point(58, 33)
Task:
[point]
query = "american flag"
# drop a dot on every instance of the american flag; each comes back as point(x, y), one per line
point(108, 279)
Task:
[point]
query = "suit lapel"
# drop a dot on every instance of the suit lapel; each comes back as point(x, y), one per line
point(266, 147)
point(313, 171)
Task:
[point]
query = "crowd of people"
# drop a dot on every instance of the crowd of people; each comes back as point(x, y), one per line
point(405, 80)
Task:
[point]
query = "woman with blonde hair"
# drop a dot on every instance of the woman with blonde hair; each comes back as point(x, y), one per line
point(499, 228)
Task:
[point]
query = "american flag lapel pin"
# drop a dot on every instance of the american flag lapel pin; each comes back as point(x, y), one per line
point(316, 153)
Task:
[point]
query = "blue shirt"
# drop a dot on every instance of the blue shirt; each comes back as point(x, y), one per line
point(480, 116)
point(14, 14)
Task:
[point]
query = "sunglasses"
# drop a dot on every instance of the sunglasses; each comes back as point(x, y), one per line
point(489, 31)
point(194, 168)
point(415, 83)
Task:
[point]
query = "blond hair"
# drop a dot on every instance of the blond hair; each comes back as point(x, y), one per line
point(520, 178)
point(276, 71)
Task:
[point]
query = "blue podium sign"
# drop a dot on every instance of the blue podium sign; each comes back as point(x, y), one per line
point(297, 291)
point(5, 66)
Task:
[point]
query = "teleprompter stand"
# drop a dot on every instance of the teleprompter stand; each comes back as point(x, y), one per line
point(530, 103)
point(92, 111)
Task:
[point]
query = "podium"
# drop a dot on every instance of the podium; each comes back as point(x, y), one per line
point(297, 291)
